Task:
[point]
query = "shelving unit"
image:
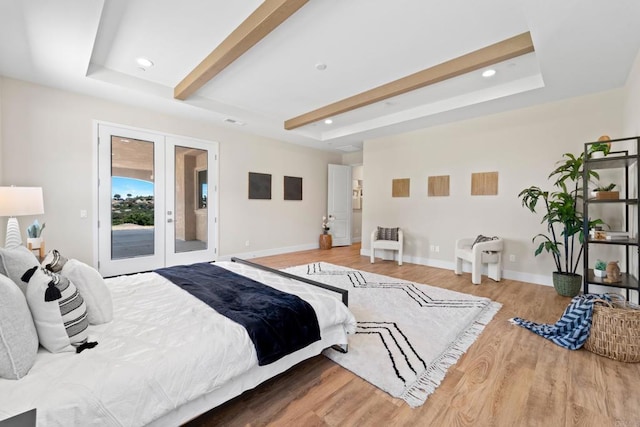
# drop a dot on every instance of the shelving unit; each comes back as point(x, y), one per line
point(621, 160)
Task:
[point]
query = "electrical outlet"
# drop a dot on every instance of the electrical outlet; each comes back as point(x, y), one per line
point(432, 248)
point(246, 243)
point(512, 258)
point(83, 213)
point(437, 248)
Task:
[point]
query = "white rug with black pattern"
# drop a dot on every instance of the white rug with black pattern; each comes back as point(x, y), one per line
point(408, 333)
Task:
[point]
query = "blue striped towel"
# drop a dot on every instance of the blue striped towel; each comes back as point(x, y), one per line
point(573, 328)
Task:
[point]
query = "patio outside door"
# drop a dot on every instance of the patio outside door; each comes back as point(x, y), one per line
point(157, 200)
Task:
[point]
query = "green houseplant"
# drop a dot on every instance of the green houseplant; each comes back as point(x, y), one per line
point(564, 239)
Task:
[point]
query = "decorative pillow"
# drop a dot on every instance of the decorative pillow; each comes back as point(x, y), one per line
point(482, 238)
point(58, 310)
point(93, 289)
point(18, 336)
point(388, 233)
point(54, 261)
point(14, 262)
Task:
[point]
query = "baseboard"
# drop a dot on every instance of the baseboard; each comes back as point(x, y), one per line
point(538, 279)
point(269, 252)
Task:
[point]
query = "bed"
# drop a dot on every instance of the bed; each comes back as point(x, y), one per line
point(165, 358)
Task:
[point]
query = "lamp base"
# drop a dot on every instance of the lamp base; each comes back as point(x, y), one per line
point(13, 239)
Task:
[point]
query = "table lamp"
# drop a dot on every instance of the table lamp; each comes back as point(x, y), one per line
point(19, 201)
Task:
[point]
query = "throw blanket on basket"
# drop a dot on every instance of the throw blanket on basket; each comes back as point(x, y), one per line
point(278, 323)
point(573, 328)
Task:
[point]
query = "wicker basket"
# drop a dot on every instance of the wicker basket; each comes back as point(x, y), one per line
point(615, 330)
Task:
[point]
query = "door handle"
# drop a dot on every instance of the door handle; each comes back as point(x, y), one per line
point(169, 220)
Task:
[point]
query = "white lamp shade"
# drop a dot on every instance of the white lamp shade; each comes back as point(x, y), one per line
point(18, 201)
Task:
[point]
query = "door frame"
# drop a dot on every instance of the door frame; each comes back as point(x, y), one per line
point(335, 189)
point(213, 188)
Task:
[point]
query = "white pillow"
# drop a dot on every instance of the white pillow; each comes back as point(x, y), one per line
point(18, 336)
point(93, 289)
point(61, 321)
point(14, 262)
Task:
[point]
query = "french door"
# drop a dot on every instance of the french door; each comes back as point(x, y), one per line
point(157, 200)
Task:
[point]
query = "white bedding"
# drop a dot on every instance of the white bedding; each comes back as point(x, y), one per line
point(165, 356)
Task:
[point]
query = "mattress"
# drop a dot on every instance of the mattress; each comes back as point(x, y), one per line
point(165, 357)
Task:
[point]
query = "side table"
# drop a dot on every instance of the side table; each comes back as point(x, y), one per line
point(325, 241)
point(40, 249)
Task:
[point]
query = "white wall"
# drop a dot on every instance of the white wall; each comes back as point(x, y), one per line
point(631, 127)
point(47, 141)
point(522, 145)
point(632, 100)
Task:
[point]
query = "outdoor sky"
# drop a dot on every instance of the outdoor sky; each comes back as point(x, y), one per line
point(135, 187)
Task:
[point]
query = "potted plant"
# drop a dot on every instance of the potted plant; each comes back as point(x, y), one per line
point(34, 235)
point(600, 268)
point(564, 220)
point(602, 192)
point(601, 148)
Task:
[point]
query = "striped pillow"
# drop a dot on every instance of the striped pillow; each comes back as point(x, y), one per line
point(58, 310)
point(388, 233)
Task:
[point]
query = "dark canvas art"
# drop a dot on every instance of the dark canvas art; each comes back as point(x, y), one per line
point(259, 185)
point(292, 188)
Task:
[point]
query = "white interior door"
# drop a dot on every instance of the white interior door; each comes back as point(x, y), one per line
point(157, 200)
point(339, 203)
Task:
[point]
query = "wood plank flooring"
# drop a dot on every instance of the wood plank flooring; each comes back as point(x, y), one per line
point(509, 376)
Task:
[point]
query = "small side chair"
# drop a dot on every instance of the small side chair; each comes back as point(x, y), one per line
point(387, 238)
point(479, 251)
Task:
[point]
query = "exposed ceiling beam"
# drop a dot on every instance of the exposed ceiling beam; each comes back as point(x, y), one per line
point(258, 25)
point(498, 52)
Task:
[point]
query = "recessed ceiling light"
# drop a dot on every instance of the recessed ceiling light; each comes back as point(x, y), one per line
point(144, 62)
point(489, 73)
point(328, 122)
point(321, 67)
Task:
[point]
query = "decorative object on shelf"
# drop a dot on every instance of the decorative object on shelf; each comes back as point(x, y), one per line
point(601, 148)
point(600, 268)
point(604, 192)
point(19, 201)
point(325, 224)
point(615, 330)
point(613, 272)
point(564, 221)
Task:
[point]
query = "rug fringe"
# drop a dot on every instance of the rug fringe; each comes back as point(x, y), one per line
point(417, 393)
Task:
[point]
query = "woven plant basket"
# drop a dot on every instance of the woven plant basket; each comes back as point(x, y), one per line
point(567, 285)
point(615, 330)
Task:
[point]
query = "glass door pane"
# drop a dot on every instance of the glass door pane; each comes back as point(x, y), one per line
point(132, 203)
point(191, 217)
point(191, 201)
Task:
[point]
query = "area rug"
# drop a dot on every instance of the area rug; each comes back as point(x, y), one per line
point(408, 334)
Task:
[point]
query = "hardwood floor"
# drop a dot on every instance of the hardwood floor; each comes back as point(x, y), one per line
point(509, 376)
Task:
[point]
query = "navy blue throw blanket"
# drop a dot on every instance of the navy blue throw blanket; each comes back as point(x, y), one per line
point(277, 322)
